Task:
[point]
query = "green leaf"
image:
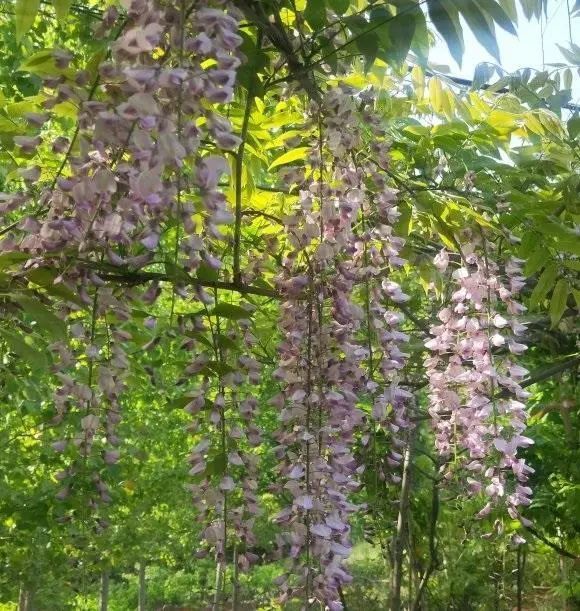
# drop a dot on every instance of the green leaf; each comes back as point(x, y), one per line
point(445, 18)
point(340, 6)
point(509, 6)
point(25, 13)
point(34, 358)
point(217, 465)
point(42, 63)
point(573, 127)
point(179, 403)
point(528, 245)
point(206, 273)
point(296, 154)
point(380, 15)
point(483, 29)
point(45, 278)
point(229, 310)
point(483, 74)
point(257, 59)
point(10, 258)
point(572, 55)
point(566, 238)
point(567, 78)
point(47, 321)
point(545, 283)
point(315, 14)
point(573, 264)
point(496, 12)
point(401, 32)
point(365, 34)
point(435, 93)
point(225, 343)
point(535, 262)
point(176, 273)
point(35, 59)
point(558, 302)
point(531, 8)
point(368, 45)
point(62, 8)
point(218, 367)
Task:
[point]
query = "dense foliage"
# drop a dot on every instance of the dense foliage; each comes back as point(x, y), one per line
point(288, 315)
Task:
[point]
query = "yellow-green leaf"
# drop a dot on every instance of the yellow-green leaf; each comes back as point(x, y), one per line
point(558, 301)
point(436, 93)
point(62, 7)
point(25, 13)
point(290, 156)
point(572, 264)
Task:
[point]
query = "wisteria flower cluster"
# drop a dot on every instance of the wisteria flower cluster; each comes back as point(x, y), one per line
point(475, 393)
point(329, 343)
point(123, 180)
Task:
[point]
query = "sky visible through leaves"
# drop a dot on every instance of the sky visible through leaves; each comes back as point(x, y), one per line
point(525, 51)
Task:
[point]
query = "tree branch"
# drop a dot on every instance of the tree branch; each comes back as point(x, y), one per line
point(548, 372)
point(277, 35)
point(432, 546)
point(135, 278)
point(554, 546)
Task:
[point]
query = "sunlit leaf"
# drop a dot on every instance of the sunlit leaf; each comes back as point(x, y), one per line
point(25, 12)
point(297, 154)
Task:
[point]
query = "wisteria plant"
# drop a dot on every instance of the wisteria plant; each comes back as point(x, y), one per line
point(226, 156)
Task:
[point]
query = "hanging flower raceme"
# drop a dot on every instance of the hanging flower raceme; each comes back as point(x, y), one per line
point(122, 180)
point(378, 253)
point(223, 461)
point(475, 392)
point(321, 358)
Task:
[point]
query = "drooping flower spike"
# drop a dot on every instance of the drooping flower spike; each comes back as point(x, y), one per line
point(475, 393)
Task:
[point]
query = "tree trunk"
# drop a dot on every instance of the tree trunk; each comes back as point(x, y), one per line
point(398, 543)
point(236, 583)
point(433, 561)
point(22, 599)
point(104, 604)
point(219, 577)
point(520, 576)
point(142, 588)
